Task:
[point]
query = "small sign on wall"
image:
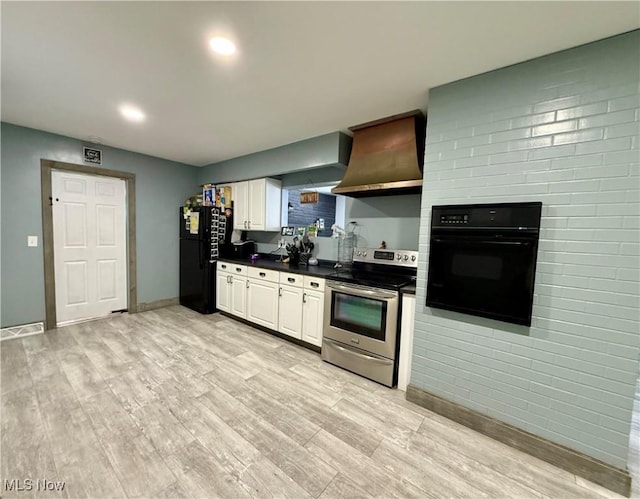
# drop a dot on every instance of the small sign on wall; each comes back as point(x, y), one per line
point(309, 197)
point(93, 156)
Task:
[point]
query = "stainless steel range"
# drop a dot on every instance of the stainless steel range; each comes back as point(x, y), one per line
point(361, 313)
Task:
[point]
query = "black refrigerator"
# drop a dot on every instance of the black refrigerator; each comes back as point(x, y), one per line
point(204, 231)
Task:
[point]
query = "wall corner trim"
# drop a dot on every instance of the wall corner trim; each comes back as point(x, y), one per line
point(153, 305)
point(563, 457)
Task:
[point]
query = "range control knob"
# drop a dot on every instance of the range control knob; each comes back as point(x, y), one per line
point(406, 257)
point(359, 253)
point(399, 257)
point(364, 253)
point(413, 258)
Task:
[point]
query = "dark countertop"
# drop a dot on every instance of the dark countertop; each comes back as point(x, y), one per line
point(409, 290)
point(267, 262)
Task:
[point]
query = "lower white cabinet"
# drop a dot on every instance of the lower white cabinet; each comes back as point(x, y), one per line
point(406, 341)
point(312, 316)
point(231, 289)
point(289, 303)
point(238, 302)
point(290, 311)
point(223, 291)
point(262, 303)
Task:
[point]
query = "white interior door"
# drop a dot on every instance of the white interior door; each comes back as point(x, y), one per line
point(89, 244)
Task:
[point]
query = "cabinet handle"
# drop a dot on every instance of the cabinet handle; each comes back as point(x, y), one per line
point(238, 269)
point(314, 284)
point(247, 283)
point(223, 266)
point(249, 222)
point(280, 292)
point(262, 274)
point(291, 279)
point(304, 297)
point(245, 224)
point(230, 279)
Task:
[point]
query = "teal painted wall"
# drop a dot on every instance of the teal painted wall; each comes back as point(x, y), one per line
point(320, 161)
point(161, 186)
point(564, 130)
point(324, 151)
point(394, 219)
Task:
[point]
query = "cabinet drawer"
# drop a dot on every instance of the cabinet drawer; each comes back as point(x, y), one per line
point(263, 274)
point(314, 283)
point(232, 268)
point(224, 266)
point(291, 279)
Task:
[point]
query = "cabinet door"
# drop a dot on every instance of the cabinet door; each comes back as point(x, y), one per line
point(238, 305)
point(312, 317)
point(290, 311)
point(262, 303)
point(257, 204)
point(240, 196)
point(223, 295)
point(406, 341)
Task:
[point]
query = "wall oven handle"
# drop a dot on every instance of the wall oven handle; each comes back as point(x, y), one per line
point(481, 241)
point(359, 354)
point(364, 291)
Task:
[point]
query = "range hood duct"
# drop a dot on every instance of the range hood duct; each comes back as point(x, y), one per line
point(387, 157)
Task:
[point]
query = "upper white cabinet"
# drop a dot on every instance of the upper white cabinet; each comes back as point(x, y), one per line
point(256, 204)
point(240, 198)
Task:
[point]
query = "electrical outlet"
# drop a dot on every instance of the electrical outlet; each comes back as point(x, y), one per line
point(32, 241)
point(321, 224)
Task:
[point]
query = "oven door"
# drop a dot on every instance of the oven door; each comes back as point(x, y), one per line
point(361, 316)
point(483, 275)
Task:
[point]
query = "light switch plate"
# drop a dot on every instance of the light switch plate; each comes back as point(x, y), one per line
point(32, 241)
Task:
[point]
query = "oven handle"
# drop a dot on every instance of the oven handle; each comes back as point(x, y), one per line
point(359, 354)
point(364, 291)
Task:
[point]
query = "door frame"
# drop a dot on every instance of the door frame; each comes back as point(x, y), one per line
point(46, 167)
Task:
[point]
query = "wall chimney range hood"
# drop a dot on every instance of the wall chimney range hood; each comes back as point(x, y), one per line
point(387, 157)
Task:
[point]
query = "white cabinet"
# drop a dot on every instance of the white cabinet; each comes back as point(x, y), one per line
point(239, 298)
point(240, 198)
point(312, 316)
point(301, 311)
point(290, 311)
point(223, 291)
point(406, 341)
point(231, 289)
point(256, 204)
point(290, 303)
point(262, 297)
point(262, 303)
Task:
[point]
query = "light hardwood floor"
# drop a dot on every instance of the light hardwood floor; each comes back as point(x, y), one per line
point(170, 403)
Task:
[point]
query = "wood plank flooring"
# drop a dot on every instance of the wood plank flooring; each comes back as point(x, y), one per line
point(170, 403)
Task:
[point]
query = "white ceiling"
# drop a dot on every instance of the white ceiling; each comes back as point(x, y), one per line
point(303, 68)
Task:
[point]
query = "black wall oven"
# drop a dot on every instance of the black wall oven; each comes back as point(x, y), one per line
point(482, 259)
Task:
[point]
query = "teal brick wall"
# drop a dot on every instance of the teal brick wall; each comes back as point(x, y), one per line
point(562, 129)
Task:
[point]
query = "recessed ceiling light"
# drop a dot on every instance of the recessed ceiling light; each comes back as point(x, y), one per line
point(222, 46)
point(132, 113)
